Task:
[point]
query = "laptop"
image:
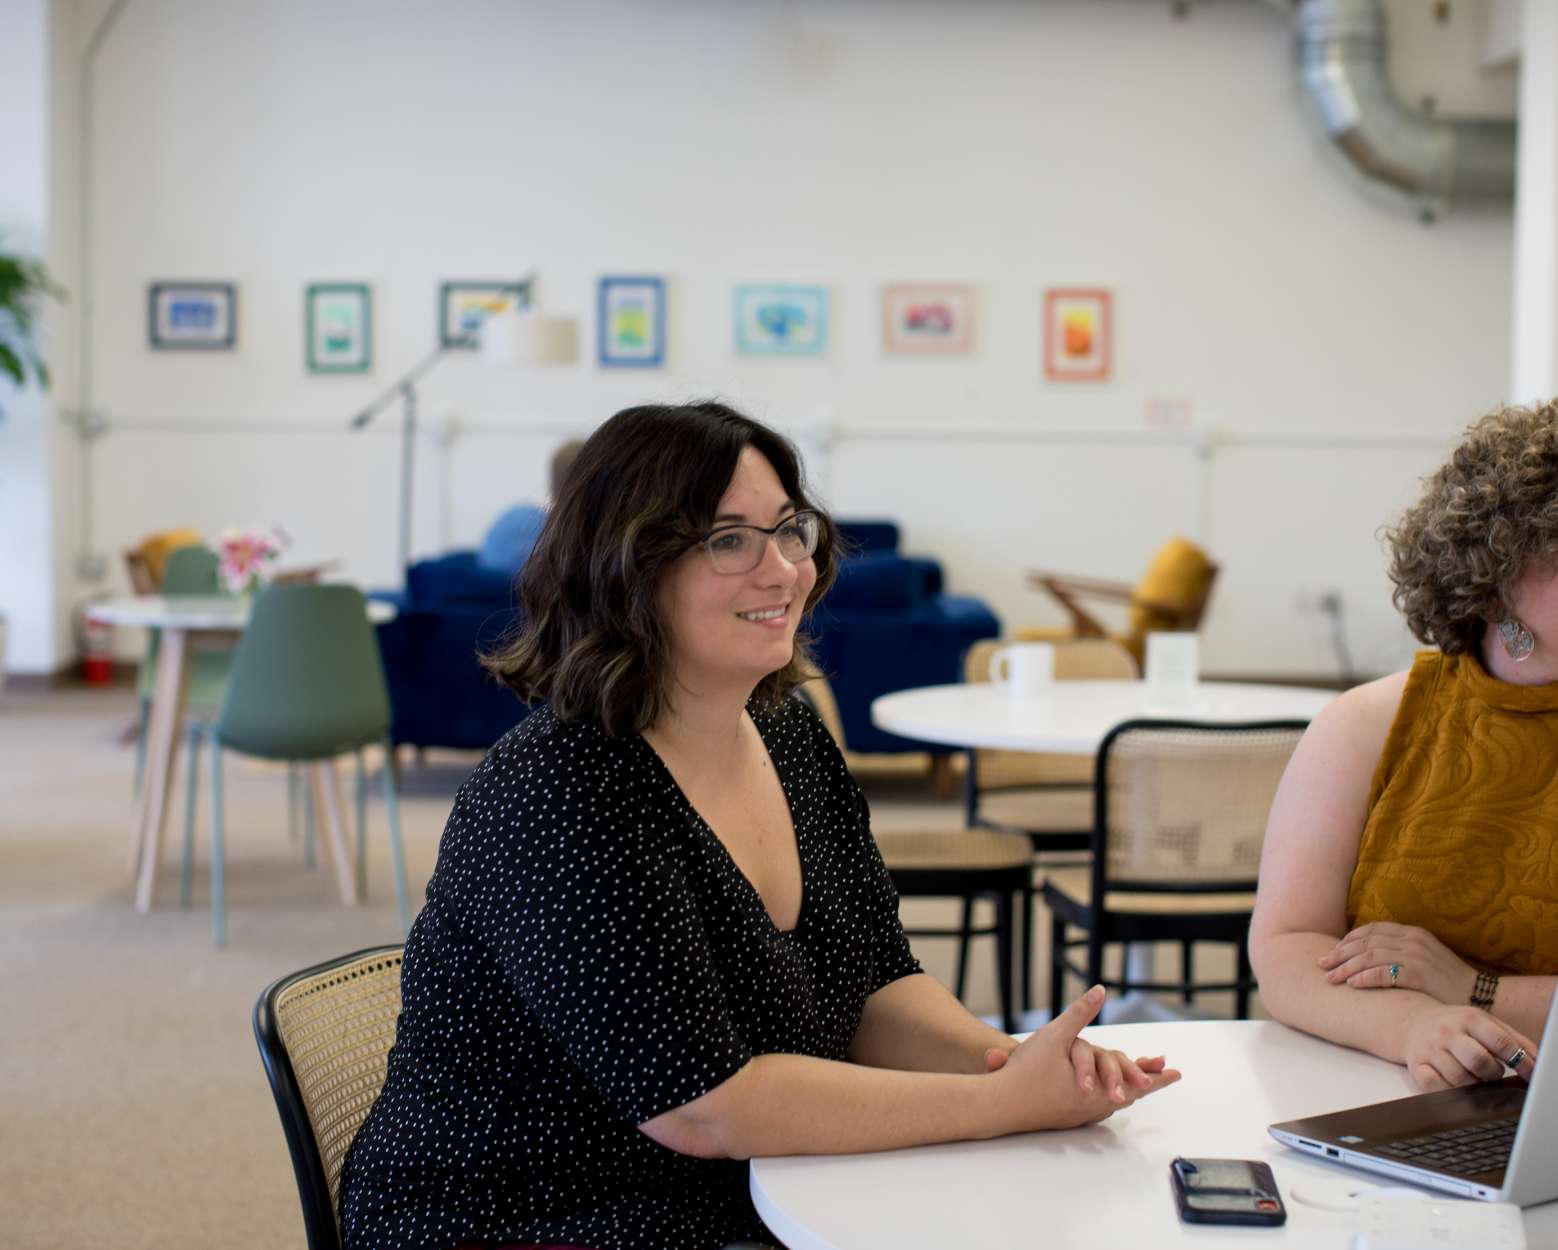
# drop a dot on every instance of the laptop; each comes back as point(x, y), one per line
point(1497, 1141)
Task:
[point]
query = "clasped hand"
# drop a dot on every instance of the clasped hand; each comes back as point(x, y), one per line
point(1363, 959)
point(1449, 1043)
point(1062, 1081)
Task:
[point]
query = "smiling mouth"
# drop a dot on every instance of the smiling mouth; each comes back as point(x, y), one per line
point(766, 614)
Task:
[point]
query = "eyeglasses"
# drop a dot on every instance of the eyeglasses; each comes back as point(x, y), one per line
point(740, 548)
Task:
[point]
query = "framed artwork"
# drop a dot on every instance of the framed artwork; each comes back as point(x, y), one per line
point(781, 320)
point(463, 306)
point(631, 322)
point(920, 319)
point(192, 316)
point(1078, 335)
point(338, 317)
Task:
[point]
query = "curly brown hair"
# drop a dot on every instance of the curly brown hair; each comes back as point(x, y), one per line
point(643, 489)
point(1488, 516)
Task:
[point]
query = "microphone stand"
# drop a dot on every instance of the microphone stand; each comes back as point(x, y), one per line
point(406, 389)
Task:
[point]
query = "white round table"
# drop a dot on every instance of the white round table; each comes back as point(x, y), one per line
point(187, 622)
point(1108, 1185)
point(1073, 717)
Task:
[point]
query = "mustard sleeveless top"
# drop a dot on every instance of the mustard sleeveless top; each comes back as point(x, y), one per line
point(1461, 836)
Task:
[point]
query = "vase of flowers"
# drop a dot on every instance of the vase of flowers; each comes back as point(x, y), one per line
point(245, 557)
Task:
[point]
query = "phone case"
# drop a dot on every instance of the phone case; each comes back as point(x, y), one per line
point(1226, 1191)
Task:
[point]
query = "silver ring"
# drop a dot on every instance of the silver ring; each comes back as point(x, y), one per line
point(1518, 1058)
point(1395, 971)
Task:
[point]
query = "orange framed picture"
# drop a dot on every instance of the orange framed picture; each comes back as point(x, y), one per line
point(1078, 334)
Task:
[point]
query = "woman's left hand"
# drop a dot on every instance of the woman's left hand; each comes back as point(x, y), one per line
point(1364, 957)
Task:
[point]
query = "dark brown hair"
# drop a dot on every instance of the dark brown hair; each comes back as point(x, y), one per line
point(644, 488)
point(1485, 519)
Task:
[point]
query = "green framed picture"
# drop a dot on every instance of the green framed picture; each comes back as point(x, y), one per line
point(339, 327)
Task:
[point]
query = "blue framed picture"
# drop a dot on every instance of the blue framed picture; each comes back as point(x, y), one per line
point(777, 320)
point(192, 316)
point(630, 323)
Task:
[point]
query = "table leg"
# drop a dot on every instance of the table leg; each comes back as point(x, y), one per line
point(163, 732)
point(335, 830)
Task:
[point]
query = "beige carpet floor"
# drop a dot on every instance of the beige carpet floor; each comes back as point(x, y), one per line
point(133, 1108)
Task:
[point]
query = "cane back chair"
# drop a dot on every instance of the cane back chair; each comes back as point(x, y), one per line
point(324, 1035)
point(1180, 816)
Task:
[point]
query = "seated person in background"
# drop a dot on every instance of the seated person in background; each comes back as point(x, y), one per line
point(659, 938)
point(1408, 900)
point(514, 534)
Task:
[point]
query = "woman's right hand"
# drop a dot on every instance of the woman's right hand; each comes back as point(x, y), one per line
point(1451, 1046)
point(1054, 1079)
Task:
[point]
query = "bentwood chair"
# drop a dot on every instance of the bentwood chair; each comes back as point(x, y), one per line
point(965, 864)
point(308, 686)
point(324, 1035)
point(1046, 797)
point(1180, 817)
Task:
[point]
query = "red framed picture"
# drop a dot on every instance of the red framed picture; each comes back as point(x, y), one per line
point(1078, 335)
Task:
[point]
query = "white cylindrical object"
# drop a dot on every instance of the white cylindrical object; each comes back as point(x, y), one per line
point(1024, 668)
point(1173, 662)
point(528, 338)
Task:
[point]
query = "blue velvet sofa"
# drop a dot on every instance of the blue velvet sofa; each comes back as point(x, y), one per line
point(452, 607)
point(885, 626)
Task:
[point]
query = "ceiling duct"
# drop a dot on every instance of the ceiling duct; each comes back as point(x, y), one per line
point(1426, 162)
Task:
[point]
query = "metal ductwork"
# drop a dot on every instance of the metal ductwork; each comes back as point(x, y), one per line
point(1427, 162)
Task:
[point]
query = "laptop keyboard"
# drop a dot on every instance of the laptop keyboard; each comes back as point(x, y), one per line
point(1464, 1151)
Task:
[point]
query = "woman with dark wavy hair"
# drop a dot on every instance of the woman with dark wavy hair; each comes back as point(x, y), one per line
point(1408, 901)
point(659, 938)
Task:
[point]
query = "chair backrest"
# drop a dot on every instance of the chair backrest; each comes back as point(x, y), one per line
point(324, 1036)
point(819, 695)
point(307, 681)
point(1173, 592)
point(191, 570)
point(1076, 659)
point(1182, 806)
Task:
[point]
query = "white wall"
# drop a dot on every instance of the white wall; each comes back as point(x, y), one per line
point(1335, 346)
point(26, 530)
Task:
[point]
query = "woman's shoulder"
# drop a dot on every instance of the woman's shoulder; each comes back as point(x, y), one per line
point(548, 758)
point(1357, 722)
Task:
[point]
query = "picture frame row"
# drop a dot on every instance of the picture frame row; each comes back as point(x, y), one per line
point(769, 319)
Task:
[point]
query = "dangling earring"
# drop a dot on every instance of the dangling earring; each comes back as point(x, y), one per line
point(1517, 639)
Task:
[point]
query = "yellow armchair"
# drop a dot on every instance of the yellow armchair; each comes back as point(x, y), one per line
point(1171, 595)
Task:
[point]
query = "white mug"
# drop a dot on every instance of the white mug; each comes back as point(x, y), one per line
point(1025, 668)
point(1173, 662)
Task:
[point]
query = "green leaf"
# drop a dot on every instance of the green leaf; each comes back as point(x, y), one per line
point(11, 365)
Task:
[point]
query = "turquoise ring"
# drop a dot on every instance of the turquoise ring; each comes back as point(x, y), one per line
point(1395, 971)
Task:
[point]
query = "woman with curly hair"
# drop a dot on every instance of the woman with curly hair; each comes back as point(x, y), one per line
point(1408, 901)
point(659, 938)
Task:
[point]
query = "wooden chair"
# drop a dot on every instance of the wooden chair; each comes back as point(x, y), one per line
point(325, 1035)
point(1171, 595)
point(1180, 817)
point(965, 864)
point(146, 561)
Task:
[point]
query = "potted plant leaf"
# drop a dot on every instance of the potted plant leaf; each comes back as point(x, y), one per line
point(24, 285)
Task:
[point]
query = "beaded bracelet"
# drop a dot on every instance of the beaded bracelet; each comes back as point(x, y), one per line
point(1482, 993)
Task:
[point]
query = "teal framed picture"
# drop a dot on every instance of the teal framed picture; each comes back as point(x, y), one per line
point(338, 327)
point(780, 320)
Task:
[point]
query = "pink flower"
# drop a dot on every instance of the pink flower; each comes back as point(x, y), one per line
point(245, 556)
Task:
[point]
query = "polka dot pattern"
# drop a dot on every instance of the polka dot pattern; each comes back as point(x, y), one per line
point(589, 957)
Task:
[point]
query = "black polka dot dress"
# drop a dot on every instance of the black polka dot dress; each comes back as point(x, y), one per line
point(589, 957)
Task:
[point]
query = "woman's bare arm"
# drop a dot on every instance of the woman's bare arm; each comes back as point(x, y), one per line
point(1311, 850)
point(915, 1024)
point(795, 1104)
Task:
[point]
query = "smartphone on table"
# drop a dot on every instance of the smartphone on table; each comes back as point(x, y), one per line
point(1226, 1191)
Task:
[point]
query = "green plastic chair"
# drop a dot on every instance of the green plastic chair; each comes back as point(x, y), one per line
point(189, 571)
point(307, 685)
